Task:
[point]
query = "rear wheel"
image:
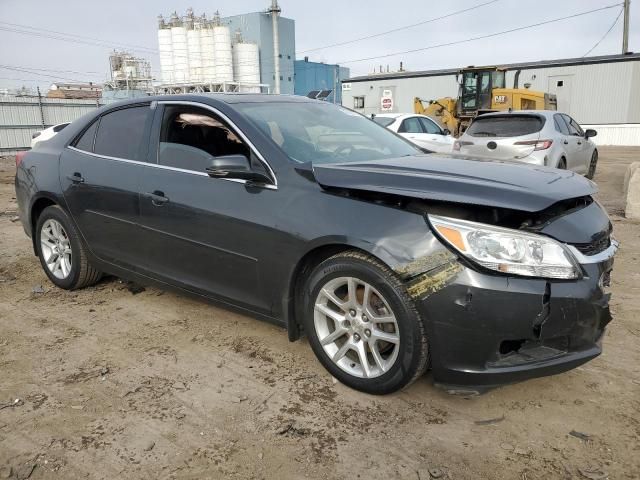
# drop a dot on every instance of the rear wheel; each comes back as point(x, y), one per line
point(592, 165)
point(61, 252)
point(562, 164)
point(363, 326)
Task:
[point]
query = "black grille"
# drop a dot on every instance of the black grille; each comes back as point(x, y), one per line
point(594, 247)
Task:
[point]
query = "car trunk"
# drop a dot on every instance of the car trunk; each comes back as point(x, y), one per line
point(503, 137)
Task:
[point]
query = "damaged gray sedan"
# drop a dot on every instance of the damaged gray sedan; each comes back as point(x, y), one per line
point(317, 219)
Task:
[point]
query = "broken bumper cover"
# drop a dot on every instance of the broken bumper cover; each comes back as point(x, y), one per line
point(488, 330)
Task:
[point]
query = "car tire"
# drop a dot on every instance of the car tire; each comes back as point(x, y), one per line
point(386, 333)
point(62, 254)
point(562, 164)
point(592, 165)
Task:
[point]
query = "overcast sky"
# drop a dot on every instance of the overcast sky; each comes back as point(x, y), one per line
point(317, 24)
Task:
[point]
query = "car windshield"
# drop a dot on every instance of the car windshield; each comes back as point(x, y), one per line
point(505, 126)
point(324, 133)
point(384, 121)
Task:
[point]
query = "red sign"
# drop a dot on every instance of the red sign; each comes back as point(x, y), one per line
point(387, 103)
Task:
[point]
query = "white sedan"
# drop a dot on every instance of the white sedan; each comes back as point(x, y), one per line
point(419, 129)
point(46, 134)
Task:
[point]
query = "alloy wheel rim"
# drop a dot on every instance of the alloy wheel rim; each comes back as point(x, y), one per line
point(56, 248)
point(356, 327)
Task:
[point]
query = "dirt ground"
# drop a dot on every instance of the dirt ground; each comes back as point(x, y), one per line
point(103, 383)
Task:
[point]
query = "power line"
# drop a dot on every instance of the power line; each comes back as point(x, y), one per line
point(54, 70)
point(375, 35)
point(481, 37)
point(56, 77)
point(58, 33)
point(606, 33)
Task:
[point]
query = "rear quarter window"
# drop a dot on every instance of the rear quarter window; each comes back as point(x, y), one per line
point(506, 126)
point(85, 142)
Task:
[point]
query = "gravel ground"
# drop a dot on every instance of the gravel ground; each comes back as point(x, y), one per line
point(104, 383)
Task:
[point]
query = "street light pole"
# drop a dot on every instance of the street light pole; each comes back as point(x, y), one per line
point(275, 11)
point(625, 34)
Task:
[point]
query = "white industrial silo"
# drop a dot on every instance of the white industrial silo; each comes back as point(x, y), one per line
point(180, 52)
point(166, 51)
point(207, 50)
point(222, 53)
point(195, 55)
point(246, 65)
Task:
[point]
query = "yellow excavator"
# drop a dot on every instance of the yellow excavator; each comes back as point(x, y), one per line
point(482, 90)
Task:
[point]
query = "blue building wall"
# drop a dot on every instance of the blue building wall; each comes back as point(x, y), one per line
point(311, 76)
point(257, 27)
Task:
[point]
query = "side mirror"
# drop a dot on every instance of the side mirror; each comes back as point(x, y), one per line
point(446, 131)
point(590, 133)
point(235, 166)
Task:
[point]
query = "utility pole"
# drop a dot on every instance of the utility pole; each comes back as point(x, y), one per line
point(625, 34)
point(274, 10)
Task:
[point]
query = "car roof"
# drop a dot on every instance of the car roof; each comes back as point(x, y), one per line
point(538, 113)
point(401, 116)
point(229, 98)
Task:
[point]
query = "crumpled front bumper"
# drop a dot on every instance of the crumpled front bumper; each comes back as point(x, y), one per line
point(488, 330)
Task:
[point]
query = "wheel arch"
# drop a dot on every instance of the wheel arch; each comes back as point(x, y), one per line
point(37, 207)
point(292, 304)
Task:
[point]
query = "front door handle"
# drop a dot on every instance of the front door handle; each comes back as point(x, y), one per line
point(566, 142)
point(157, 198)
point(579, 142)
point(76, 177)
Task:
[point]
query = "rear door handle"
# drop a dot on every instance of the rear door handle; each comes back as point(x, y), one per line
point(157, 198)
point(76, 177)
point(566, 142)
point(579, 143)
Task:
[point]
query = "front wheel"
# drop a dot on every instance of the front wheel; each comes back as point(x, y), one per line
point(363, 326)
point(592, 165)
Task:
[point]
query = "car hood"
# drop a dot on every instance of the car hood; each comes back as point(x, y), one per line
point(451, 179)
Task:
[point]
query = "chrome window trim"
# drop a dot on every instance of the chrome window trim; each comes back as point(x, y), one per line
point(236, 130)
point(166, 167)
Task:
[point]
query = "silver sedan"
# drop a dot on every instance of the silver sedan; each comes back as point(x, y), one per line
point(537, 137)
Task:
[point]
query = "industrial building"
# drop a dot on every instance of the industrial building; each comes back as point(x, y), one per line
point(237, 53)
point(74, 90)
point(130, 77)
point(599, 92)
point(314, 77)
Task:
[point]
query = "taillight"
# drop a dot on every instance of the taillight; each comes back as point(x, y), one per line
point(537, 144)
point(19, 157)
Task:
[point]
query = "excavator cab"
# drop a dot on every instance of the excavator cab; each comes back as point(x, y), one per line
point(476, 89)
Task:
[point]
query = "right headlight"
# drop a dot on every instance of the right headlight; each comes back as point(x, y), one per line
point(506, 250)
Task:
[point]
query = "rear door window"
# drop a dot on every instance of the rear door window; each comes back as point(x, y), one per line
point(505, 126)
point(121, 133)
point(560, 124)
point(411, 125)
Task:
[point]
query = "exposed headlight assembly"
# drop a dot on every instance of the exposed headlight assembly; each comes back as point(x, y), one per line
point(506, 250)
